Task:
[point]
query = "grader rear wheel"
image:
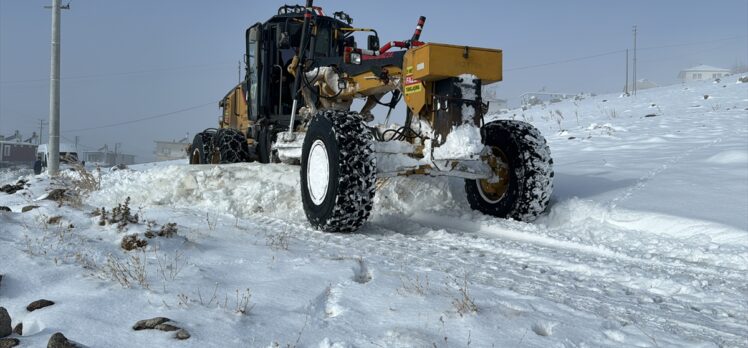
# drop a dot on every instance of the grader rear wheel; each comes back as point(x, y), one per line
point(231, 146)
point(200, 149)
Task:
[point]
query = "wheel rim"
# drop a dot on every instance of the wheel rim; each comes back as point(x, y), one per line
point(494, 189)
point(318, 172)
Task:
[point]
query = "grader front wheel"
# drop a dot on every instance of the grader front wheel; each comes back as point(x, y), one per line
point(521, 160)
point(338, 172)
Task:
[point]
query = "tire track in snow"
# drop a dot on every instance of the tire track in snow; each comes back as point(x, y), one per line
point(644, 180)
point(591, 293)
point(586, 282)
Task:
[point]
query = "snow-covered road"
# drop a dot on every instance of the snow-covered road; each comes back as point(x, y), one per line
point(645, 244)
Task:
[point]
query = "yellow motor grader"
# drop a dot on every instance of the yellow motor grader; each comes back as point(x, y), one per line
point(304, 69)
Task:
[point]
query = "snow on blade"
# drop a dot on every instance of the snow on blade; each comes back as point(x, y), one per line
point(463, 142)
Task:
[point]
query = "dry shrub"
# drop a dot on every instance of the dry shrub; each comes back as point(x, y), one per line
point(132, 242)
point(278, 241)
point(169, 230)
point(414, 285)
point(86, 181)
point(462, 301)
point(131, 270)
point(121, 215)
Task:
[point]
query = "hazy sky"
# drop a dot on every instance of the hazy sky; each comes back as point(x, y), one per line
point(128, 60)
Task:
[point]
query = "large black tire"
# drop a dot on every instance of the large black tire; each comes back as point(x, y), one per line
point(231, 145)
point(200, 151)
point(526, 178)
point(38, 167)
point(264, 143)
point(339, 143)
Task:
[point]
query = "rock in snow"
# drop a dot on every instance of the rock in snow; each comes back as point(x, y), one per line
point(55, 195)
point(38, 304)
point(160, 323)
point(9, 342)
point(58, 340)
point(166, 327)
point(149, 324)
point(5, 328)
point(29, 208)
point(182, 334)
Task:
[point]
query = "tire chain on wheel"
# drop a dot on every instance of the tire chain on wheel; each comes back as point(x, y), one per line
point(357, 180)
point(539, 181)
point(231, 146)
point(535, 184)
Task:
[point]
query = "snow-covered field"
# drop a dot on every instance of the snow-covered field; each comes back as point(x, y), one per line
point(645, 245)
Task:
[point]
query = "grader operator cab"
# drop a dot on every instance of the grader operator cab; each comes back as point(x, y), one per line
point(304, 69)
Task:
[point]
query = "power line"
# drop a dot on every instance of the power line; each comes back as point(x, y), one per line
point(692, 52)
point(140, 119)
point(693, 43)
point(564, 61)
point(79, 144)
point(576, 59)
point(121, 74)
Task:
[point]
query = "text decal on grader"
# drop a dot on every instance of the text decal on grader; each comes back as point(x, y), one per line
point(412, 85)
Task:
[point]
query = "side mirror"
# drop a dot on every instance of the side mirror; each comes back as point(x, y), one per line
point(373, 43)
point(350, 42)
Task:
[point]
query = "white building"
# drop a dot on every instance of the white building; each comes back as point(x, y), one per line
point(172, 150)
point(702, 72)
point(108, 158)
point(645, 84)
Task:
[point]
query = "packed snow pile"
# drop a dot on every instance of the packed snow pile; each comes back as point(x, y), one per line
point(645, 244)
point(463, 142)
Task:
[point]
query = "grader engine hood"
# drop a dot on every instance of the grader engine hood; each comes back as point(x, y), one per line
point(432, 62)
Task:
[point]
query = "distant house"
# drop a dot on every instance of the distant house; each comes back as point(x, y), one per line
point(495, 104)
point(172, 150)
point(645, 84)
point(537, 98)
point(105, 157)
point(14, 151)
point(702, 72)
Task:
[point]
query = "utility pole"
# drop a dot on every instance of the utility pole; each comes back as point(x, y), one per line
point(634, 80)
point(240, 71)
point(41, 131)
point(116, 151)
point(626, 89)
point(53, 150)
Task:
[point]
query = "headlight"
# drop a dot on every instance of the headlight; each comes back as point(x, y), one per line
point(355, 58)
